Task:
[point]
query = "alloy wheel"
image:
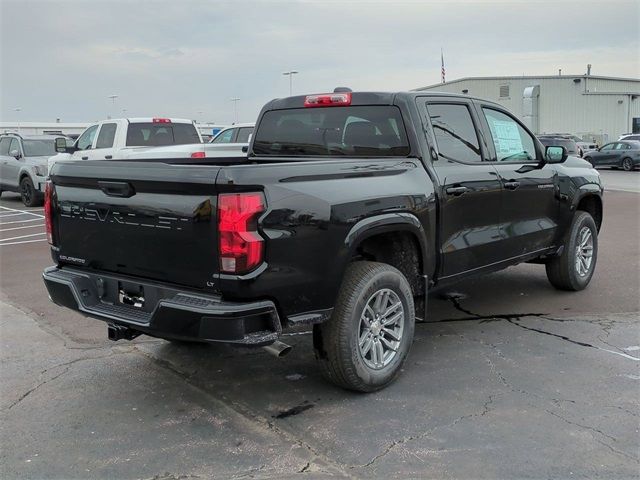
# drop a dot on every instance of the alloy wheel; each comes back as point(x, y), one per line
point(381, 328)
point(584, 252)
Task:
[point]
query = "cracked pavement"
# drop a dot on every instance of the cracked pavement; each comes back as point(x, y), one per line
point(508, 378)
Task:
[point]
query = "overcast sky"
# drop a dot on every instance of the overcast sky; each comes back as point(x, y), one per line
point(183, 58)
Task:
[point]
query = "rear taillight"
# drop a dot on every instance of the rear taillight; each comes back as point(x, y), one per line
point(198, 155)
point(48, 211)
point(241, 247)
point(328, 100)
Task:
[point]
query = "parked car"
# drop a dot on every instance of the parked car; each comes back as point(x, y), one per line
point(23, 164)
point(117, 139)
point(630, 136)
point(347, 211)
point(623, 154)
point(569, 144)
point(146, 138)
point(238, 133)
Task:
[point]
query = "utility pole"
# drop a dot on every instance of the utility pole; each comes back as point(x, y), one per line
point(18, 110)
point(113, 99)
point(290, 73)
point(235, 101)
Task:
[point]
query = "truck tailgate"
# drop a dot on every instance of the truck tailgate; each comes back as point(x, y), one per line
point(146, 219)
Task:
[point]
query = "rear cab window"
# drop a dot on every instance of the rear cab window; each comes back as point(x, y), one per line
point(160, 134)
point(39, 148)
point(367, 131)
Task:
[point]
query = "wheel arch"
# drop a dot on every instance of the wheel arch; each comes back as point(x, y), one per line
point(397, 239)
point(591, 202)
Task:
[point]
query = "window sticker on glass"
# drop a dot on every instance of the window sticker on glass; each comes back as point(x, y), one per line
point(506, 136)
point(512, 142)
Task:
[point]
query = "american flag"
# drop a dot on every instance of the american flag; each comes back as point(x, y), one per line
point(442, 70)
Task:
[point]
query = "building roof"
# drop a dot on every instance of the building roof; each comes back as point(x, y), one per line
point(530, 77)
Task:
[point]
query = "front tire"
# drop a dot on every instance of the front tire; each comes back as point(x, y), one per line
point(365, 343)
point(627, 164)
point(28, 193)
point(573, 269)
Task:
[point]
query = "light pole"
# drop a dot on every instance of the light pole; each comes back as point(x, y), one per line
point(290, 73)
point(18, 110)
point(113, 99)
point(235, 101)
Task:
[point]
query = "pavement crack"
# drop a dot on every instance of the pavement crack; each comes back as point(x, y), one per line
point(544, 332)
point(575, 342)
point(389, 448)
point(484, 318)
point(247, 414)
point(67, 366)
point(31, 390)
point(600, 432)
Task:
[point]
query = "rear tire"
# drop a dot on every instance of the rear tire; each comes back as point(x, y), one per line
point(627, 164)
point(573, 269)
point(366, 341)
point(28, 193)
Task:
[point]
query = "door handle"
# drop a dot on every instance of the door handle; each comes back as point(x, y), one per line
point(512, 185)
point(117, 189)
point(85, 158)
point(108, 157)
point(456, 191)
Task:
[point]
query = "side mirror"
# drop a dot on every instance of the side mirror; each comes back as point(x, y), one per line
point(16, 154)
point(61, 145)
point(555, 154)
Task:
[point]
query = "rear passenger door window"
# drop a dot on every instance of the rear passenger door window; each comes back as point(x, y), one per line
point(243, 134)
point(106, 136)
point(511, 141)
point(4, 145)
point(454, 131)
point(14, 146)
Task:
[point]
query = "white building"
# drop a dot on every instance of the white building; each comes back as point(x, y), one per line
point(592, 107)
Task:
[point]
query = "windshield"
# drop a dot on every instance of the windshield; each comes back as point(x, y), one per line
point(158, 134)
point(39, 148)
point(369, 131)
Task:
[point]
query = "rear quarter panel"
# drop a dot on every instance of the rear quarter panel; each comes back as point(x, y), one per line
point(310, 225)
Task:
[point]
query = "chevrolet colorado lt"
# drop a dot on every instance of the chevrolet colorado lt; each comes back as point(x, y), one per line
point(347, 210)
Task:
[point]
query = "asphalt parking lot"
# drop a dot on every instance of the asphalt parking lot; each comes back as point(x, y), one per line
point(509, 378)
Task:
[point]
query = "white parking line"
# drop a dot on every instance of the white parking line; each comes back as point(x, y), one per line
point(26, 241)
point(21, 236)
point(10, 214)
point(20, 228)
point(21, 211)
point(22, 221)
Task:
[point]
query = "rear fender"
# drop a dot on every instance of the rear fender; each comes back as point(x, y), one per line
point(387, 223)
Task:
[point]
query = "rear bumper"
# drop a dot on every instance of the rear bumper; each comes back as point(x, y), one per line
point(166, 311)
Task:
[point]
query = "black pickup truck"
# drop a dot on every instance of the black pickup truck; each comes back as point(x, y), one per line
point(349, 208)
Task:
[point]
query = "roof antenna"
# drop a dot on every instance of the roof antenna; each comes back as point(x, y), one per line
point(342, 90)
